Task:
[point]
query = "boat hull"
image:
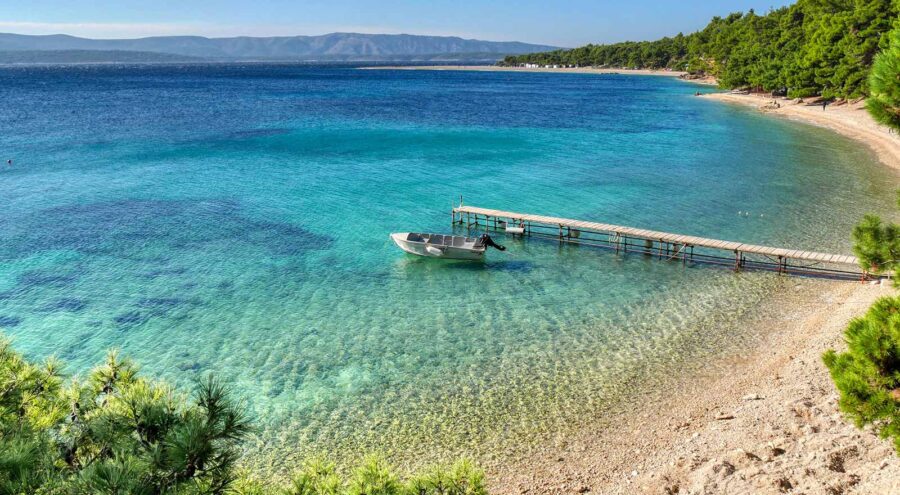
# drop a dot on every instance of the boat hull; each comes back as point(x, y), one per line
point(435, 251)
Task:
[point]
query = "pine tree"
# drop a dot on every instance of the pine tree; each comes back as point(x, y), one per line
point(868, 374)
point(120, 433)
point(884, 84)
point(877, 245)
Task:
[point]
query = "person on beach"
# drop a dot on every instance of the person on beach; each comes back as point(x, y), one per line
point(824, 103)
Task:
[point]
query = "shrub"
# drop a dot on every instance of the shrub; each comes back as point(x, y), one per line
point(868, 374)
point(317, 477)
point(463, 478)
point(374, 477)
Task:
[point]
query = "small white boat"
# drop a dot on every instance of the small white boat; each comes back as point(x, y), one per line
point(451, 247)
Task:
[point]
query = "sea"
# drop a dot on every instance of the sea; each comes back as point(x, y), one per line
point(234, 219)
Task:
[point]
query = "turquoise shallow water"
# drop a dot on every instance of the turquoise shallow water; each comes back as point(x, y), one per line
point(235, 219)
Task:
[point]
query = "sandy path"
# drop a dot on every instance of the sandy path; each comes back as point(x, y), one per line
point(851, 120)
point(769, 426)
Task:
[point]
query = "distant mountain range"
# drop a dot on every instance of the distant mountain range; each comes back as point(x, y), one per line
point(346, 47)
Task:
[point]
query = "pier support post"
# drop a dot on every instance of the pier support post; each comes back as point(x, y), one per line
point(738, 261)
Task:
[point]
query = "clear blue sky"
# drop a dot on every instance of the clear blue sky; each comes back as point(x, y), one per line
point(560, 22)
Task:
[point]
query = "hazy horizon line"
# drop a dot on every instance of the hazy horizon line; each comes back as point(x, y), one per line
point(131, 31)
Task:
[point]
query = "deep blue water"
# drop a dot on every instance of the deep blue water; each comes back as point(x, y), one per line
point(235, 219)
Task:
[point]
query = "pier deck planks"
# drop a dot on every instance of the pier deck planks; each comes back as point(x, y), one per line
point(652, 235)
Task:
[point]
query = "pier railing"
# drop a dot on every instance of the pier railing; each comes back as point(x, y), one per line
point(663, 245)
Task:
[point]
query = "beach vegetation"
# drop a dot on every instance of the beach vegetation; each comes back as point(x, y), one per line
point(374, 476)
point(884, 83)
point(813, 47)
point(867, 375)
point(877, 245)
point(117, 432)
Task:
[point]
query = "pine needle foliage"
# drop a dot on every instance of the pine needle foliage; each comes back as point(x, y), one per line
point(877, 245)
point(884, 84)
point(316, 477)
point(867, 375)
point(462, 478)
point(113, 433)
point(117, 433)
point(374, 477)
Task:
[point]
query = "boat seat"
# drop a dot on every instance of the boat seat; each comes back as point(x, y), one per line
point(415, 238)
point(437, 239)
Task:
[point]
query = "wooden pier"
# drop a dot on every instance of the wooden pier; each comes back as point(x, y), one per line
point(663, 245)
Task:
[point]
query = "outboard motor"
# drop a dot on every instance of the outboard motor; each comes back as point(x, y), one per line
point(487, 241)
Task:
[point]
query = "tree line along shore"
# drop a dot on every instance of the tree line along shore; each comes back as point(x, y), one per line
point(812, 47)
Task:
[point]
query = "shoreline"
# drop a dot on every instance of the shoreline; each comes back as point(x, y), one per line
point(770, 422)
point(495, 68)
point(769, 425)
point(848, 119)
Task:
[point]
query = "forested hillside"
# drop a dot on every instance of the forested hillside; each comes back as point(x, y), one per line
point(812, 47)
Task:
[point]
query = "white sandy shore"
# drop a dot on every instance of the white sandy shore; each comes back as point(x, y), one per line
point(494, 68)
point(769, 426)
point(851, 120)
